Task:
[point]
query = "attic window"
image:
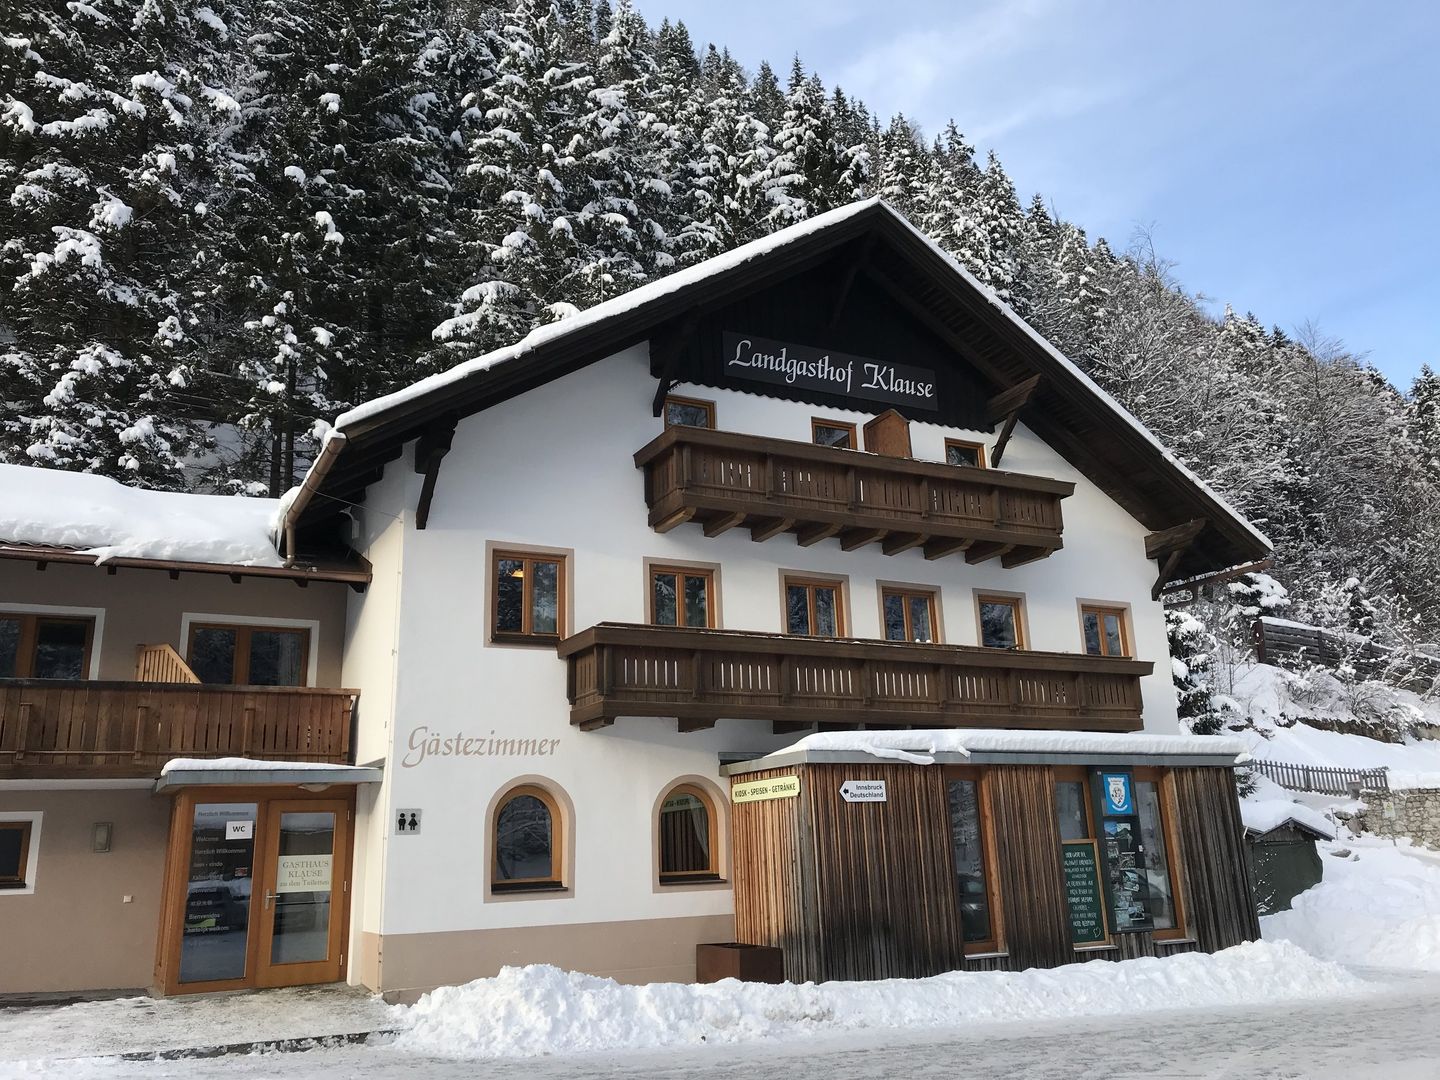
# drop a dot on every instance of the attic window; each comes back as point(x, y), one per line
point(689, 412)
point(962, 452)
point(835, 433)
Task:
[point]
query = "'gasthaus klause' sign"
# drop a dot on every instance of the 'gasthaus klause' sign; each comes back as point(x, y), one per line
point(785, 364)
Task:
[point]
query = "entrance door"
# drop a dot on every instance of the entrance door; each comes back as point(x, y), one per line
point(258, 892)
point(299, 912)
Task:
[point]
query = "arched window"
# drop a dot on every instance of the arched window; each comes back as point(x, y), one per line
point(527, 841)
point(688, 844)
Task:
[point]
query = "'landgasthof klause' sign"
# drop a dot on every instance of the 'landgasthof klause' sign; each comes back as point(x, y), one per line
point(782, 363)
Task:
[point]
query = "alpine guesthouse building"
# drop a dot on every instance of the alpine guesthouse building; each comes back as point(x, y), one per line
point(804, 598)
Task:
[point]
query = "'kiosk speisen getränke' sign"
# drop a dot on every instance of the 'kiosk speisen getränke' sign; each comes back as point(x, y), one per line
point(783, 363)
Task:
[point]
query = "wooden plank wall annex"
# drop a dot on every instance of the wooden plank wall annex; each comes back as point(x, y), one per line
point(885, 877)
point(1032, 886)
point(774, 892)
point(1212, 853)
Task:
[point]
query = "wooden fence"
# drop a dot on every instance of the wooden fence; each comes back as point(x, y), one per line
point(1286, 644)
point(1321, 779)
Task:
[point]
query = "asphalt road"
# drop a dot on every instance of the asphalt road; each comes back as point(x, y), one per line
point(1394, 1035)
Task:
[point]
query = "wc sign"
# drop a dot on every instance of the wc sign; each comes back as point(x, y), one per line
point(407, 822)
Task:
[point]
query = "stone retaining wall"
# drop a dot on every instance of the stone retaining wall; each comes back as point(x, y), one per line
point(1414, 813)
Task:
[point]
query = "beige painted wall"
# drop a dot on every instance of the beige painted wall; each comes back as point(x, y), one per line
point(402, 966)
point(144, 607)
point(76, 932)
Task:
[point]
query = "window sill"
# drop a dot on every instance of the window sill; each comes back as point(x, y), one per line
point(1095, 948)
point(503, 888)
point(542, 641)
point(693, 879)
point(990, 954)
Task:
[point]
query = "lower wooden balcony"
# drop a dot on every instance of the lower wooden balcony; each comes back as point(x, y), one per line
point(66, 730)
point(701, 676)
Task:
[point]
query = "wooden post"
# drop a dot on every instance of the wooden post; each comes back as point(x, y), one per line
point(24, 731)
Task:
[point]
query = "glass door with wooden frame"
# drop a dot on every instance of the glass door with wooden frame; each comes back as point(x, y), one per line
point(1080, 859)
point(256, 893)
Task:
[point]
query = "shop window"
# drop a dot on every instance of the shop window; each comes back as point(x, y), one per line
point(682, 596)
point(527, 841)
point(249, 655)
point(961, 452)
point(1105, 633)
point(974, 874)
point(813, 608)
point(835, 433)
point(909, 615)
point(688, 412)
point(528, 599)
point(1000, 623)
point(1160, 868)
point(45, 646)
point(687, 837)
point(14, 853)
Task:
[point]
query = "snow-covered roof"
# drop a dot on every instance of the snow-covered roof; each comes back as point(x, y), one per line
point(96, 516)
point(1263, 815)
point(927, 747)
point(225, 771)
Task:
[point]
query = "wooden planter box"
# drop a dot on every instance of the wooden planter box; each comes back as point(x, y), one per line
point(735, 960)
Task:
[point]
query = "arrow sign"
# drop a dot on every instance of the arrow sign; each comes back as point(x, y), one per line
point(863, 791)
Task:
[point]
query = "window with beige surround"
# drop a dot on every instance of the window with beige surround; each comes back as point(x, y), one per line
point(837, 433)
point(527, 841)
point(682, 596)
point(14, 853)
point(909, 614)
point(689, 412)
point(1001, 625)
point(527, 597)
point(687, 837)
point(1105, 632)
point(42, 646)
point(226, 655)
point(814, 608)
point(964, 452)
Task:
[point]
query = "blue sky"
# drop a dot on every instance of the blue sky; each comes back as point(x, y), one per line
point(1285, 155)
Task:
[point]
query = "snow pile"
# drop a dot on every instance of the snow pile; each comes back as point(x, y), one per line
point(920, 747)
point(241, 764)
point(1377, 906)
point(529, 1011)
point(1262, 815)
point(1271, 698)
point(109, 520)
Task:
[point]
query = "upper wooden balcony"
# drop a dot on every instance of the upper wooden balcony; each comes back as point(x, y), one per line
point(723, 479)
point(700, 676)
point(61, 729)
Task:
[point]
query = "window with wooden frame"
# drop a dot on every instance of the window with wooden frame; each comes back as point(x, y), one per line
point(1154, 799)
point(14, 853)
point(527, 602)
point(837, 433)
point(682, 596)
point(689, 412)
point(42, 646)
point(1105, 631)
point(972, 842)
point(1075, 816)
point(964, 452)
point(909, 614)
point(688, 831)
point(225, 655)
point(814, 608)
point(527, 841)
point(1001, 622)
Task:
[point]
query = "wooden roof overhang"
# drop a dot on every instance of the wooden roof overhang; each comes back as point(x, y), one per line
point(1062, 406)
point(354, 571)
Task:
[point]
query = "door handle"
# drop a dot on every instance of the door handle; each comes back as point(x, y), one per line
point(268, 897)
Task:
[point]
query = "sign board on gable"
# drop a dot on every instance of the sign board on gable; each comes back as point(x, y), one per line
point(784, 363)
point(777, 787)
point(863, 791)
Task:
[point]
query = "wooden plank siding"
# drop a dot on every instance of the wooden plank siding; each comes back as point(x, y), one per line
point(700, 676)
point(868, 890)
point(117, 729)
point(700, 475)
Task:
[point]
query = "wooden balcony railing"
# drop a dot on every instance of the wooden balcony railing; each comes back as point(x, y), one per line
point(58, 729)
point(725, 480)
point(700, 676)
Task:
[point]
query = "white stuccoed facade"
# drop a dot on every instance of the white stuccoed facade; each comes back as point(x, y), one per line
point(553, 468)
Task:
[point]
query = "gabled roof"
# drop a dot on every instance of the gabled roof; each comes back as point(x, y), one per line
point(1069, 411)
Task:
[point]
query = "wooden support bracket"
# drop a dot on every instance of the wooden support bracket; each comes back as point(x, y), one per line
point(665, 357)
point(1166, 546)
point(430, 450)
point(1005, 406)
point(847, 280)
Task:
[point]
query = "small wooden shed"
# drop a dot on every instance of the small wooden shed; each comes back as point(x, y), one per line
point(1280, 844)
point(871, 855)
